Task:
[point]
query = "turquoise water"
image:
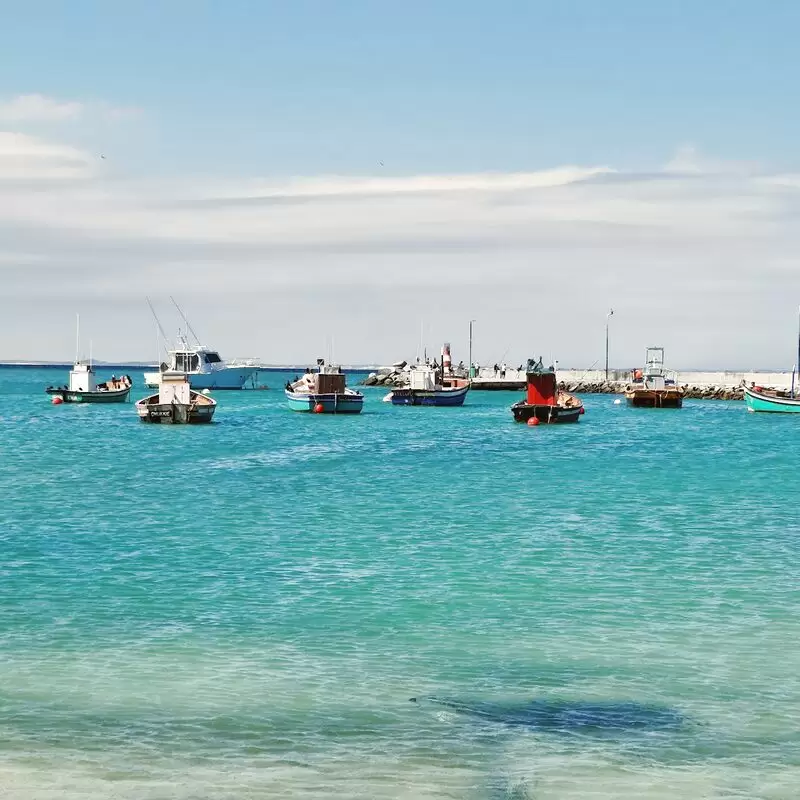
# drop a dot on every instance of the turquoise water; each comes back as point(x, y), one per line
point(244, 610)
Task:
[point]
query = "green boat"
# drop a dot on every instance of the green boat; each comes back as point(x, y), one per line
point(82, 388)
point(757, 398)
point(760, 399)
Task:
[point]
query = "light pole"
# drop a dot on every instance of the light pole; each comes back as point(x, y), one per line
point(469, 372)
point(608, 317)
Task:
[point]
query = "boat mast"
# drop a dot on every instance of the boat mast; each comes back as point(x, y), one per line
point(797, 367)
point(77, 337)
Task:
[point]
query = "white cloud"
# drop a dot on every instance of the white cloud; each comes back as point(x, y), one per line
point(39, 108)
point(689, 160)
point(36, 109)
point(702, 263)
point(24, 157)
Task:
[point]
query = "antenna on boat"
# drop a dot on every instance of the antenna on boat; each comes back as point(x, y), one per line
point(186, 321)
point(77, 337)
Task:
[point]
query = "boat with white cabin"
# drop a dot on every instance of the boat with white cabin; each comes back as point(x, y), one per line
point(83, 388)
point(176, 403)
point(204, 368)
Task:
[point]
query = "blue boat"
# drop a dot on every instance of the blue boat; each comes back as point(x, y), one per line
point(323, 392)
point(424, 390)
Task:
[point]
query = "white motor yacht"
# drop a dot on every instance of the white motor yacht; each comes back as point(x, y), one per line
point(204, 368)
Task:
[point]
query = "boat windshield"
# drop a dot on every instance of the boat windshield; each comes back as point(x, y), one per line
point(186, 362)
point(213, 358)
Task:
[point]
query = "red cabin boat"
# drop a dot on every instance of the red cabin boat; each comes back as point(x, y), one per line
point(544, 400)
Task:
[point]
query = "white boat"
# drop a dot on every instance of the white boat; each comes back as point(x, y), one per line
point(204, 368)
point(176, 403)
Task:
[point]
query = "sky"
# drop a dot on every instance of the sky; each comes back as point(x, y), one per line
point(358, 179)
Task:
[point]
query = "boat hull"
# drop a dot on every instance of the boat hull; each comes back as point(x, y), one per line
point(174, 413)
point(523, 412)
point(654, 398)
point(333, 403)
point(422, 397)
point(110, 396)
point(763, 401)
point(226, 378)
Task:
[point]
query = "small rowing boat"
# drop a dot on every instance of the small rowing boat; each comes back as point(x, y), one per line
point(176, 403)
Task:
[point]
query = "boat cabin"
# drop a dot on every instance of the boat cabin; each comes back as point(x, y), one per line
point(81, 378)
point(199, 360)
point(655, 375)
point(422, 378)
point(542, 388)
point(174, 389)
point(329, 383)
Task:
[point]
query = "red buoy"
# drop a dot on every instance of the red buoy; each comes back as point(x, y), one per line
point(533, 421)
point(319, 408)
point(57, 400)
point(583, 410)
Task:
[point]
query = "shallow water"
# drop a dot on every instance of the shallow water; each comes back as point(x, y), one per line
point(244, 610)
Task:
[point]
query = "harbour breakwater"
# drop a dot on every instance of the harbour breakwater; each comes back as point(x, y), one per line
point(704, 389)
point(618, 387)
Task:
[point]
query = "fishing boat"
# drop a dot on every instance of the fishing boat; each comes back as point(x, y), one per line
point(544, 401)
point(437, 384)
point(323, 391)
point(83, 388)
point(655, 386)
point(428, 387)
point(204, 367)
point(176, 403)
point(759, 398)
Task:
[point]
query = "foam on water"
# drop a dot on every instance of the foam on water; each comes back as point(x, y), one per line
point(245, 609)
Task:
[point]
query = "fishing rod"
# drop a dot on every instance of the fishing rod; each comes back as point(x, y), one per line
point(186, 321)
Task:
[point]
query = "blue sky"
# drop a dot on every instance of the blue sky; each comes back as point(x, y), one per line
point(442, 86)
point(355, 160)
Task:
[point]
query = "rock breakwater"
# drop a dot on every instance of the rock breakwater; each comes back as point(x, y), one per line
point(618, 387)
point(396, 375)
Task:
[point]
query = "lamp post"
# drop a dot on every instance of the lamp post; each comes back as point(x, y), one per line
point(608, 317)
point(469, 372)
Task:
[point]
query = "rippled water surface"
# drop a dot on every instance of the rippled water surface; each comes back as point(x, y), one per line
point(245, 610)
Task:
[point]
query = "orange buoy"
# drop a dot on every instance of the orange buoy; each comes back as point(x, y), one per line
point(57, 400)
point(319, 408)
point(533, 421)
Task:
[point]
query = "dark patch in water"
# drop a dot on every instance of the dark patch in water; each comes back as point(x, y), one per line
point(569, 715)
